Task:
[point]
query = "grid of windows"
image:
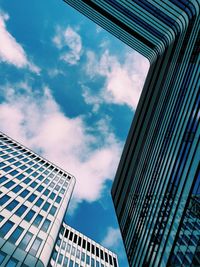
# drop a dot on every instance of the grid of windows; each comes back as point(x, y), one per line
point(32, 193)
point(79, 250)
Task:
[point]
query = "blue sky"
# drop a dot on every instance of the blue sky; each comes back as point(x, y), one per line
point(68, 90)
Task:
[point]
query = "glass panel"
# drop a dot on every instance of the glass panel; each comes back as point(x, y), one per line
point(6, 228)
point(25, 241)
point(35, 247)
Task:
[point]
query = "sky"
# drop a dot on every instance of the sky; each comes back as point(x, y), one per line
point(68, 91)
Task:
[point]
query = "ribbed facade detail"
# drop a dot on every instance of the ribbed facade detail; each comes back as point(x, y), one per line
point(157, 186)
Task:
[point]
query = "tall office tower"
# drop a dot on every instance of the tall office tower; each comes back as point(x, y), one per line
point(34, 195)
point(73, 249)
point(157, 181)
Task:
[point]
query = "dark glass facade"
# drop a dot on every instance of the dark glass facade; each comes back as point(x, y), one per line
point(156, 189)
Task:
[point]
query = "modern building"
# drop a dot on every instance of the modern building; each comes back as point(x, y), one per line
point(34, 195)
point(73, 249)
point(157, 181)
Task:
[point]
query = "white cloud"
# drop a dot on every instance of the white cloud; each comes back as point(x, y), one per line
point(123, 81)
point(112, 238)
point(34, 118)
point(55, 72)
point(11, 51)
point(68, 39)
point(113, 241)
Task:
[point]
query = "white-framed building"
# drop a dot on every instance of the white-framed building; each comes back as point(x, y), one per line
point(34, 195)
point(73, 249)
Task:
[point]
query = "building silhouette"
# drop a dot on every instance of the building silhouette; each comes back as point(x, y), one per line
point(77, 250)
point(157, 180)
point(34, 196)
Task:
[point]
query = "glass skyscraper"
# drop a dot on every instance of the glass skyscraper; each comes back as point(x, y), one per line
point(34, 195)
point(73, 249)
point(157, 186)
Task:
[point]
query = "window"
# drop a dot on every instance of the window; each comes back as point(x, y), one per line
point(92, 262)
point(17, 188)
point(65, 261)
point(34, 174)
point(78, 254)
point(46, 206)
point(1, 218)
point(106, 257)
point(25, 241)
point(71, 236)
point(2, 256)
point(62, 191)
point(38, 220)
point(20, 176)
point(84, 243)
point(3, 179)
point(17, 163)
point(4, 199)
point(88, 259)
point(12, 263)
point(29, 215)
point(46, 192)
point(52, 184)
point(88, 246)
point(83, 256)
point(23, 167)
point(58, 199)
point(101, 252)
point(24, 193)
point(97, 264)
point(40, 188)
point(32, 197)
point(11, 160)
point(115, 262)
point(110, 260)
point(33, 184)
point(9, 184)
point(63, 245)
point(14, 172)
point(46, 181)
point(52, 196)
point(41, 177)
point(6, 228)
point(68, 247)
point(2, 164)
point(92, 249)
point(46, 225)
point(27, 180)
point(71, 263)
point(29, 170)
point(73, 251)
point(55, 253)
point(21, 210)
point(53, 210)
point(75, 238)
point(16, 234)
point(12, 205)
point(36, 244)
point(7, 169)
point(57, 188)
point(39, 202)
point(60, 258)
